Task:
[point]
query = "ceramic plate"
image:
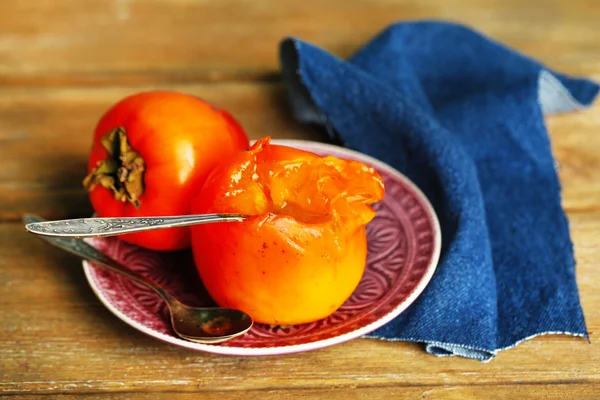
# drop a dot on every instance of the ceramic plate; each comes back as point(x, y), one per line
point(404, 245)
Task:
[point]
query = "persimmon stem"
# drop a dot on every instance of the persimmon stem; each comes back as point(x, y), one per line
point(122, 172)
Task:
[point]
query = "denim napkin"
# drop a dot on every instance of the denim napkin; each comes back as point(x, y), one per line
point(463, 117)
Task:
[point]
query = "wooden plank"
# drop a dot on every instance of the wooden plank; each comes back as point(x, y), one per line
point(125, 41)
point(575, 147)
point(522, 392)
point(45, 136)
point(57, 338)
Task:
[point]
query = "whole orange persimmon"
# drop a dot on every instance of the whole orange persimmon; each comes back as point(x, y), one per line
point(151, 153)
point(303, 251)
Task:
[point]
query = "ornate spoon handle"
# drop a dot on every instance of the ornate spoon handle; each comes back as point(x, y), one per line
point(99, 227)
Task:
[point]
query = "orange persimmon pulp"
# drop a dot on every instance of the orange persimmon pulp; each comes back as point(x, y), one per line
point(303, 252)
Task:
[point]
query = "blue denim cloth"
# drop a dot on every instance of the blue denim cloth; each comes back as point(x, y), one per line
point(463, 118)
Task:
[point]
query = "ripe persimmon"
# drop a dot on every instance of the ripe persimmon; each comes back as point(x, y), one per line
point(151, 153)
point(303, 251)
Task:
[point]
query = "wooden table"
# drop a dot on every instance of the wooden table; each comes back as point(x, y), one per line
point(63, 62)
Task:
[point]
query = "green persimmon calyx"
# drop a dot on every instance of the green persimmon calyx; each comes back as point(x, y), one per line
point(122, 172)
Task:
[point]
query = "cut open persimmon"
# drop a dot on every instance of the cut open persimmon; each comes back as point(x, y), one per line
point(303, 251)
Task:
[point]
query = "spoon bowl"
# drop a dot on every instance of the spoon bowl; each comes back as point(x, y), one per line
point(216, 324)
point(196, 324)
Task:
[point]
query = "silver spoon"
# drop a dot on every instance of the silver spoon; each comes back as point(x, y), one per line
point(200, 325)
point(102, 227)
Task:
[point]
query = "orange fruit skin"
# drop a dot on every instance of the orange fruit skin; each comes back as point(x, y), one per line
point(279, 270)
point(181, 139)
point(276, 280)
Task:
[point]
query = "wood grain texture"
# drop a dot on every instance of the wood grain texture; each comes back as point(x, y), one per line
point(104, 42)
point(57, 338)
point(64, 62)
point(450, 392)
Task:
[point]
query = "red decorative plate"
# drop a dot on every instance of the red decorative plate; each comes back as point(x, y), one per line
point(404, 245)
